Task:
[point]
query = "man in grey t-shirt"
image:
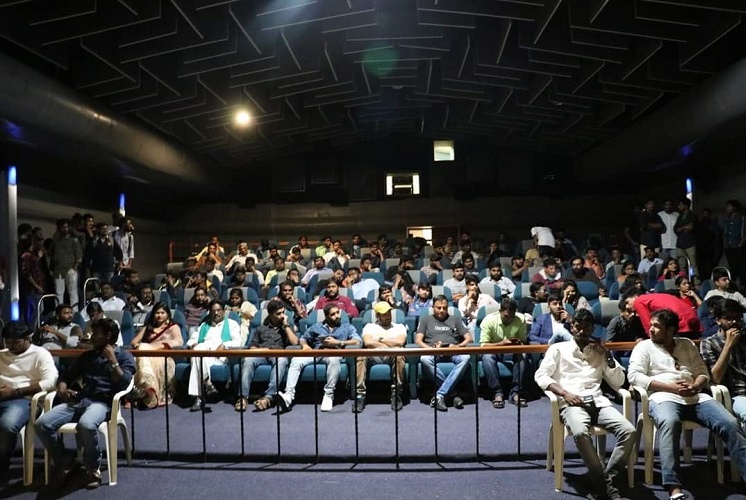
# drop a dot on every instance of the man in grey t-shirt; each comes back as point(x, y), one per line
point(441, 330)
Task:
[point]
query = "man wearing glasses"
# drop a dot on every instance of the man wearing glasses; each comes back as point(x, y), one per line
point(725, 354)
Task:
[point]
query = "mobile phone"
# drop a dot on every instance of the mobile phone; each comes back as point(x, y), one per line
point(445, 344)
point(587, 399)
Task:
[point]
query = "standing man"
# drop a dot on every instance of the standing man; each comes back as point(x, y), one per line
point(651, 227)
point(573, 371)
point(383, 334)
point(671, 370)
point(101, 254)
point(274, 333)
point(25, 369)
point(124, 243)
point(668, 234)
point(734, 233)
point(331, 334)
point(686, 234)
point(103, 371)
point(502, 328)
point(441, 330)
point(68, 255)
point(543, 240)
point(215, 333)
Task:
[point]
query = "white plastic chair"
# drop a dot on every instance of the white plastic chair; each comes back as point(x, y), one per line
point(722, 394)
point(556, 444)
point(27, 440)
point(107, 429)
point(646, 430)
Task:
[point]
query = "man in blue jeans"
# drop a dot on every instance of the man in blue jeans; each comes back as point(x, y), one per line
point(274, 333)
point(104, 370)
point(672, 371)
point(25, 369)
point(441, 330)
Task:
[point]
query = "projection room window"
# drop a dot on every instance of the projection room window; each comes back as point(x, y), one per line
point(443, 151)
point(399, 184)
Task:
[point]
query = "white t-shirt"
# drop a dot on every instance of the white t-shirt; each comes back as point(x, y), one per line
point(544, 236)
point(377, 331)
point(669, 238)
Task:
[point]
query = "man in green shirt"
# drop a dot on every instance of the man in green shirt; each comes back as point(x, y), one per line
point(501, 328)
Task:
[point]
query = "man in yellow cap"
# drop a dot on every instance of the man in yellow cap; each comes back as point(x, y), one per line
point(383, 334)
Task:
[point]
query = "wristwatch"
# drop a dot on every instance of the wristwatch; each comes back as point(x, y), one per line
point(114, 367)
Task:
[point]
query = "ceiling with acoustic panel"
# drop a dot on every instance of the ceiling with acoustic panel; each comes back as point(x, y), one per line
point(558, 76)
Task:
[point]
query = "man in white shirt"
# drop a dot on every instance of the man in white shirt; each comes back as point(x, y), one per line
point(25, 369)
point(470, 303)
point(544, 240)
point(507, 285)
point(107, 299)
point(125, 242)
point(360, 287)
point(457, 284)
point(573, 371)
point(239, 259)
point(721, 280)
point(668, 239)
point(673, 373)
point(648, 261)
point(383, 334)
point(216, 333)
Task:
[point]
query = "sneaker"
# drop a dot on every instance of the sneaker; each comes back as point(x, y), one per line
point(210, 392)
point(283, 401)
point(432, 402)
point(197, 405)
point(93, 479)
point(458, 403)
point(327, 403)
point(440, 403)
point(358, 405)
point(396, 403)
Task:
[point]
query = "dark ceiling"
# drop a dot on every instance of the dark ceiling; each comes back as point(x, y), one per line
point(557, 77)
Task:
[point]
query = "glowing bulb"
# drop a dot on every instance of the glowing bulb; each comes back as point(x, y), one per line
point(243, 118)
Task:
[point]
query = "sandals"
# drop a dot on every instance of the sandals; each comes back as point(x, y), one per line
point(241, 404)
point(498, 402)
point(263, 403)
point(518, 401)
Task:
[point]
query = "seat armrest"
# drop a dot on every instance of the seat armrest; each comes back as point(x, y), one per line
point(722, 394)
point(115, 404)
point(35, 404)
point(626, 403)
point(49, 400)
point(555, 409)
point(643, 393)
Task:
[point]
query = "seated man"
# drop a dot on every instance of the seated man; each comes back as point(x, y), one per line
point(383, 334)
point(25, 369)
point(725, 354)
point(593, 263)
point(507, 285)
point(573, 371)
point(57, 333)
point(649, 260)
point(336, 258)
point(107, 299)
point(578, 271)
point(103, 371)
point(211, 269)
point(332, 296)
point(441, 330)
point(551, 327)
point(319, 266)
point(131, 284)
point(360, 287)
point(549, 276)
point(504, 327)
point(289, 302)
point(537, 295)
point(216, 333)
point(274, 333)
point(331, 334)
point(430, 272)
point(627, 326)
point(470, 303)
point(239, 259)
point(279, 266)
point(672, 371)
point(457, 284)
point(142, 305)
point(721, 281)
point(518, 264)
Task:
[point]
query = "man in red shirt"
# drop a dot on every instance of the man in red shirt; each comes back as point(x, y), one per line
point(332, 296)
point(645, 304)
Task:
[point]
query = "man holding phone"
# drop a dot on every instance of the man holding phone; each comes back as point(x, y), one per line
point(104, 370)
point(502, 328)
point(574, 371)
point(441, 330)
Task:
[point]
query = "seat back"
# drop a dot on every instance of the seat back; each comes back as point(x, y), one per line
point(605, 310)
point(588, 289)
point(491, 290)
point(522, 290)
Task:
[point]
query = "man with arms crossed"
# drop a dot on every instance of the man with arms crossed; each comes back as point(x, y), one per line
point(383, 334)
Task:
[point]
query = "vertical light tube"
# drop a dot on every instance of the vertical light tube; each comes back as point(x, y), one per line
point(122, 210)
point(15, 308)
